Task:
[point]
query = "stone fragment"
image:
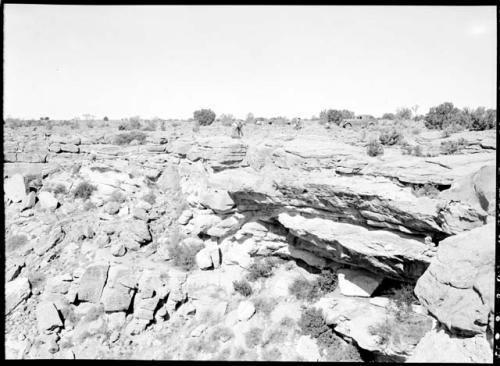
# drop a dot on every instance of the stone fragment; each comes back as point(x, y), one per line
point(15, 188)
point(15, 293)
point(48, 317)
point(358, 282)
point(92, 283)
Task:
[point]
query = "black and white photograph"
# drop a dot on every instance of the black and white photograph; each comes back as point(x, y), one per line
point(305, 183)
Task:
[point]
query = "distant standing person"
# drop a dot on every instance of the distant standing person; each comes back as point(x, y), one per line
point(237, 129)
point(298, 124)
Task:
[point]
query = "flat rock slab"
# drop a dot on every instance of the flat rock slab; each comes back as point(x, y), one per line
point(358, 282)
point(14, 188)
point(15, 292)
point(92, 283)
point(47, 317)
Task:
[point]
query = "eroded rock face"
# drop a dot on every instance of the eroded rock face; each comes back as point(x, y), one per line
point(359, 200)
point(458, 286)
point(15, 292)
point(394, 255)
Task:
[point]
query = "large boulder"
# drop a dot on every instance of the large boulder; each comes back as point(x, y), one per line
point(15, 293)
point(476, 189)
point(47, 201)
point(220, 152)
point(119, 290)
point(438, 346)
point(218, 201)
point(14, 188)
point(458, 286)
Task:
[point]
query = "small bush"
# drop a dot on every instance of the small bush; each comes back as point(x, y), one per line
point(303, 289)
point(253, 337)
point(150, 126)
point(60, 189)
point(183, 255)
point(374, 148)
point(403, 299)
point(127, 138)
point(243, 287)
point(453, 147)
point(389, 116)
point(15, 242)
point(427, 190)
point(390, 137)
point(260, 269)
point(408, 149)
point(311, 323)
point(204, 117)
point(264, 305)
point(84, 190)
point(226, 119)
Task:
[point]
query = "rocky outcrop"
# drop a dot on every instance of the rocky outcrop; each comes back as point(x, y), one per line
point(393, 255)
point(458, 286)
point(16, 292)
point(367, 201)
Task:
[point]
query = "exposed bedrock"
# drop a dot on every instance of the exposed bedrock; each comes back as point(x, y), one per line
point(458, 286)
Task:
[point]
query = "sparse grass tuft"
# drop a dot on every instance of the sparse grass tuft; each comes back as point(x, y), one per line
point(454, 146)
point(260, 269)
point(84, 190)
point(427, 190)
point(390, 137)
point(374, 148)
point(243, 287)
point(253, 337)
point(183, 255)
point(127, 138)
point(310, 291)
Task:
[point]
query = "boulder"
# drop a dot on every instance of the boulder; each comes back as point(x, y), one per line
point(246, 310)
point(476, 189)
point(15, 293)
point(458, 286)
point(204, 259)
point(216, 200)
point(112, 208)
point(29, 201)
point(438, 346)
point(55, 148)
point(185, 216)
point(92, 283)
point(47, 200)
point(358, 282)
point(119, 290)
point(48, 317)
point(71, 148)
point(15, 188)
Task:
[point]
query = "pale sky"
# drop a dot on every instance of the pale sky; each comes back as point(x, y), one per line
point(167, 61)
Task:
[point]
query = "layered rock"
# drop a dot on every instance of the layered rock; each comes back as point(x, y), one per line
point(458, 286)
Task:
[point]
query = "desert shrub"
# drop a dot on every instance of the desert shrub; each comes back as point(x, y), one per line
point(149, 198)
point(408, 149)
point(403, 299)
point(14, 242)
point(122, 127)
point(204, 117)
point(287, 322)
point(390, 137)
point(453, 146)
point(183, 255)
point(264, 305)
point(427, 190)
point(150, 126)
point(60, 189)
point(374, 148)
point(162, 126)
point(84, 190)
point(303, 289)
point(260, 269)
point(442, 116)
point(341, 351)
point(127, 138)
point(250, 118)
point(243, 287)
point(403, 113)
point(451, 129)
point(389, 116)
point(226, 119)
point(253, 337)
point(117, 196)
point(334, 116)
point(311, 323)
point(134, 123)
point(327, 282)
